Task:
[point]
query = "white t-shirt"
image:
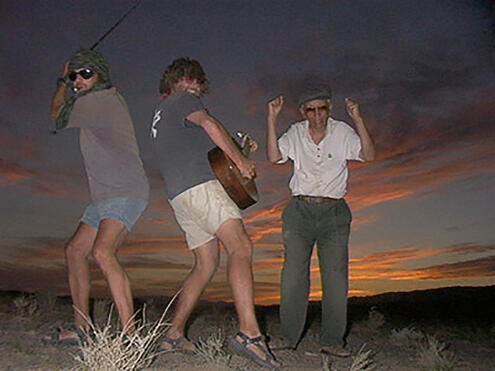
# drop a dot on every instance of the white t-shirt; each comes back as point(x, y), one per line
point(320, 169)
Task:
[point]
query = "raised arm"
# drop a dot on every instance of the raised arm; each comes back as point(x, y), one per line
point(272, 151)
point(367, 147)
point(223, 140)
point(58, 99)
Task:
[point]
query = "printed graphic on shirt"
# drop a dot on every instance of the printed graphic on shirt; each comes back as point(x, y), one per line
point(156, 117)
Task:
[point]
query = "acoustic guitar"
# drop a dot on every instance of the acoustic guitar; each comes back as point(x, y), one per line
point(240, 189)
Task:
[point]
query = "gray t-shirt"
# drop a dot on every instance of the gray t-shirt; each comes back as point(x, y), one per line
point(181, 146)
point(108, 145)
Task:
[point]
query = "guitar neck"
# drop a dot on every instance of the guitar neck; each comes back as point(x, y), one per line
point(246, 148)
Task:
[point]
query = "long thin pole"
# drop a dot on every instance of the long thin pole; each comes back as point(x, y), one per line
point(115, 25)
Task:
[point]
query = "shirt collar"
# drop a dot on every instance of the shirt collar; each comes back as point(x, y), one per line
point(330, 127)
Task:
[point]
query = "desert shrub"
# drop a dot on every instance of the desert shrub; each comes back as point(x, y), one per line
point(211, 349)
point(408, 336)
point(363, 360)
point(434, 356)
point(375, 319)
point(26, 305)
point(105, 350)
point(101, 308)
point(47, 301)
point(326, 362)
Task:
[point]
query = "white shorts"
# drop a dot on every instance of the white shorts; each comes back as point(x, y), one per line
point(201, 210)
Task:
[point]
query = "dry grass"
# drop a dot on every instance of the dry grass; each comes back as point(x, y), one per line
point(407, 336)
point(47, 301)
point(101, 308)
point(434, 356)
point(211, 349)
point(105, 350)
point(375, 319)
point(363, 360)
point(326, 362)
point(26, 305)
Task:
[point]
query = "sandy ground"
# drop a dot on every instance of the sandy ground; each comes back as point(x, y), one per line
point(468, 340)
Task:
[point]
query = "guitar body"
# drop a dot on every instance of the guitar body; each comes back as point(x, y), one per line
point(240, 189)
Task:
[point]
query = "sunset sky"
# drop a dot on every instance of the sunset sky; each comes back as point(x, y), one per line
point(423, 71)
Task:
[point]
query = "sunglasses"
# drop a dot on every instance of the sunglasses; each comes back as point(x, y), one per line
point(312, 110)
point(86, 74)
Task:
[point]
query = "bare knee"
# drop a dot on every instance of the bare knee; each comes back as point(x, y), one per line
point(103, 257)
point(235, 239)
point(207, 259)
point(207, 266)
point(81, 243)
point(76, 250)
point(241, 249)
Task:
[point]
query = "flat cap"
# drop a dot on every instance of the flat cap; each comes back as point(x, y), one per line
point(314, 92)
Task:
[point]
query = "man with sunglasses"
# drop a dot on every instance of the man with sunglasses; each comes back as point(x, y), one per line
point(117, 182)
point(317, 213)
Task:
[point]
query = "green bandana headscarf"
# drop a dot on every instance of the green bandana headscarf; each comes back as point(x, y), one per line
point(83, 58)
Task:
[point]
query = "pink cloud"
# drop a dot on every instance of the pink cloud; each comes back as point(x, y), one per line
point(12, 174)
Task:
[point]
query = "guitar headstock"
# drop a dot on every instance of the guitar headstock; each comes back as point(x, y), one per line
point(244, 139)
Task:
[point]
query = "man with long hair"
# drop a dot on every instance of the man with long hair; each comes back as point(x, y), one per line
point(182, 133)
point(117, 182)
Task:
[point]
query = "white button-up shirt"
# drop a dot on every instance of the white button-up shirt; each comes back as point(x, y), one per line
point(320, 169)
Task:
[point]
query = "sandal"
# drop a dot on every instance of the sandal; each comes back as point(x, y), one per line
point(181, 344)
point(79, 338)
point(242, 349)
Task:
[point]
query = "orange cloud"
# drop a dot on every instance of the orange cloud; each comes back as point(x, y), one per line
point(483, 267)
point(387, 265)
point(12, 174)
point(359, 221)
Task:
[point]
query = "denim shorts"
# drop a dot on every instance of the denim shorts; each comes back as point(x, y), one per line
point(124, 209)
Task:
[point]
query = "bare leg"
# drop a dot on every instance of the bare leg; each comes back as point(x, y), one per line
point(110, 236)
point(206, 259)
point(77, 251)
point(240, 275)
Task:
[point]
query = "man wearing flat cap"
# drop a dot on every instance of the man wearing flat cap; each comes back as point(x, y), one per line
point(117, 182)
point(317, 213)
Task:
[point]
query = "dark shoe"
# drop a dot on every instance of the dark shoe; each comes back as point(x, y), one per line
point(76, 337)
point(242, 345)
point(279, 343)
point(180, 344)
point(335, 350)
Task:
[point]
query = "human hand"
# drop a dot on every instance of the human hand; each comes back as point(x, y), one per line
point(247, 168)
point(352, 108)
point(253, 145)
point(275, 106)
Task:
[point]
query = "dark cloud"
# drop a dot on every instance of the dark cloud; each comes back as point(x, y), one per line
point(467, 248)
